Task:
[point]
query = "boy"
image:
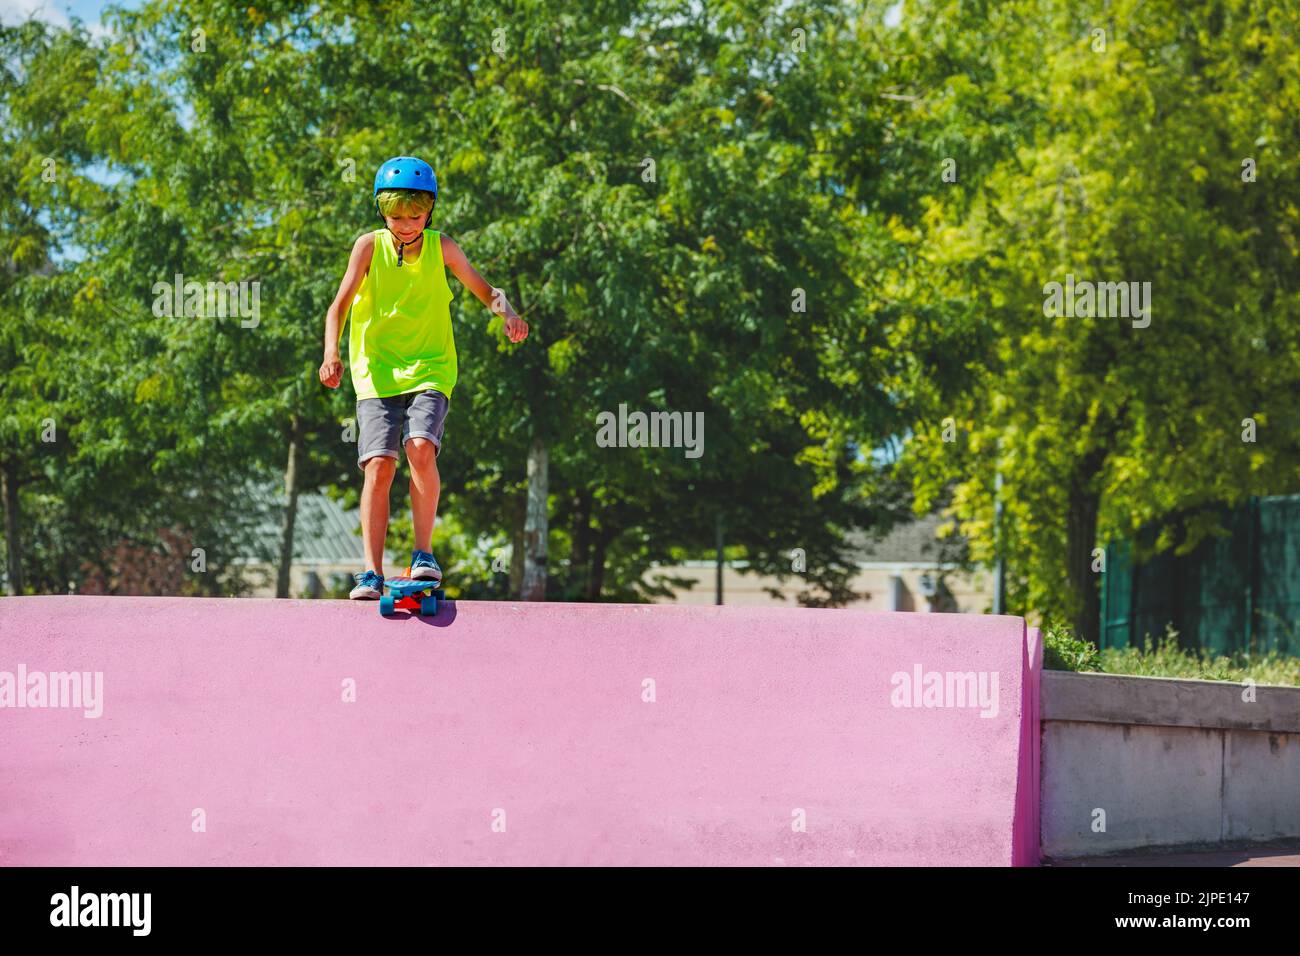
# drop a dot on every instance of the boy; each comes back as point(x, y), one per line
point(402, 356)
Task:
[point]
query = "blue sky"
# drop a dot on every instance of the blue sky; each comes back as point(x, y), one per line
point(57, 11)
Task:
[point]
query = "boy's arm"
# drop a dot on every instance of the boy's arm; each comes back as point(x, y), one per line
point(331, 370)
point(516, 329)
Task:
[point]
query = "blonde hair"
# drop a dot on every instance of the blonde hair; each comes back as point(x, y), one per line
point(396, 202)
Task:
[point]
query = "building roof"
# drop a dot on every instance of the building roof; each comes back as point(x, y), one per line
point(324, 533)
point(914, 542)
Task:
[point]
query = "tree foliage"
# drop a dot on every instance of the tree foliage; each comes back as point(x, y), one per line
point(826, 229)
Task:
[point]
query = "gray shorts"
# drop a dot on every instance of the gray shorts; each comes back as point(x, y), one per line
point(386, 424)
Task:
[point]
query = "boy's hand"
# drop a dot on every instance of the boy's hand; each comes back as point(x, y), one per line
point(516, 328)
point(331, 370)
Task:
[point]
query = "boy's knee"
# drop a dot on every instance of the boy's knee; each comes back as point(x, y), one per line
point(381, 468)
point(421, 453)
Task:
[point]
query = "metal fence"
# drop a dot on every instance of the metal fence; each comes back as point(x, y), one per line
point(1239, 592)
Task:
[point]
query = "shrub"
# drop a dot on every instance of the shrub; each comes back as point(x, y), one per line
point(1164, 658)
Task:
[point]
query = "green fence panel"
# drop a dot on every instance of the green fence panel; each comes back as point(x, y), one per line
point(1216, 580)
point(1117, 595)
point(1277, 597)
point(1237, 591)
point(1157, 597)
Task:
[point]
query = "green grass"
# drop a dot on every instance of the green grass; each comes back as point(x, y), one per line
point(1164, 658)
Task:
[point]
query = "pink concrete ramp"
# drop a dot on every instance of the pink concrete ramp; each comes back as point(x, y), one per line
point(178, 731)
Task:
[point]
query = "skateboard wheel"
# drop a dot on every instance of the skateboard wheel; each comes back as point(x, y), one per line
point(428, 606)
point(439, 595)
point(386, 605)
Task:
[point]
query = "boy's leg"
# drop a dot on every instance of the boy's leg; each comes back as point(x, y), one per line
point(379, 424)
point(422, 455)
point(374, 509)
point(425, 420)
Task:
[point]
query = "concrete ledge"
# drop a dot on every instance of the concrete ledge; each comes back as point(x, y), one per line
point(1160, 701)
point(1148, 762)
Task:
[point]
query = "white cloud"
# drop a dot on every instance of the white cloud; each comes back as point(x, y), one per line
point(13, 12)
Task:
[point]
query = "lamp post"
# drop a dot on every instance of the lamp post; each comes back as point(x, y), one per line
point(718, 527)
point(1000, 563)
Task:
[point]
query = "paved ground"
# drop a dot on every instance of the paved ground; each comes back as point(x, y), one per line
point(1282, 853)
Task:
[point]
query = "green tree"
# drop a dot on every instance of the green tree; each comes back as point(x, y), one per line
point(1129, 168)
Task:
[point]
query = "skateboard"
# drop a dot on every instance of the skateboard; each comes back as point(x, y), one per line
point(411, 594)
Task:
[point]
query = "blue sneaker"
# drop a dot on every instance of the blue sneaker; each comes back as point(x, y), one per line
point(424, 566)
point(370, 586)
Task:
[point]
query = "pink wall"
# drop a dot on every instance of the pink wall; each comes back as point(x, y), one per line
point(235, 707)
point(1026, 844)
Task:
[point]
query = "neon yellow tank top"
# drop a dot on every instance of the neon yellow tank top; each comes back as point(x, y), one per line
point(400, 338)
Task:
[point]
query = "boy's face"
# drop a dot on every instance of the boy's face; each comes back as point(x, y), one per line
point(406, 224)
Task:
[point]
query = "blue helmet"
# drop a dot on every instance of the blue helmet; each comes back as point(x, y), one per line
point(406, 172)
